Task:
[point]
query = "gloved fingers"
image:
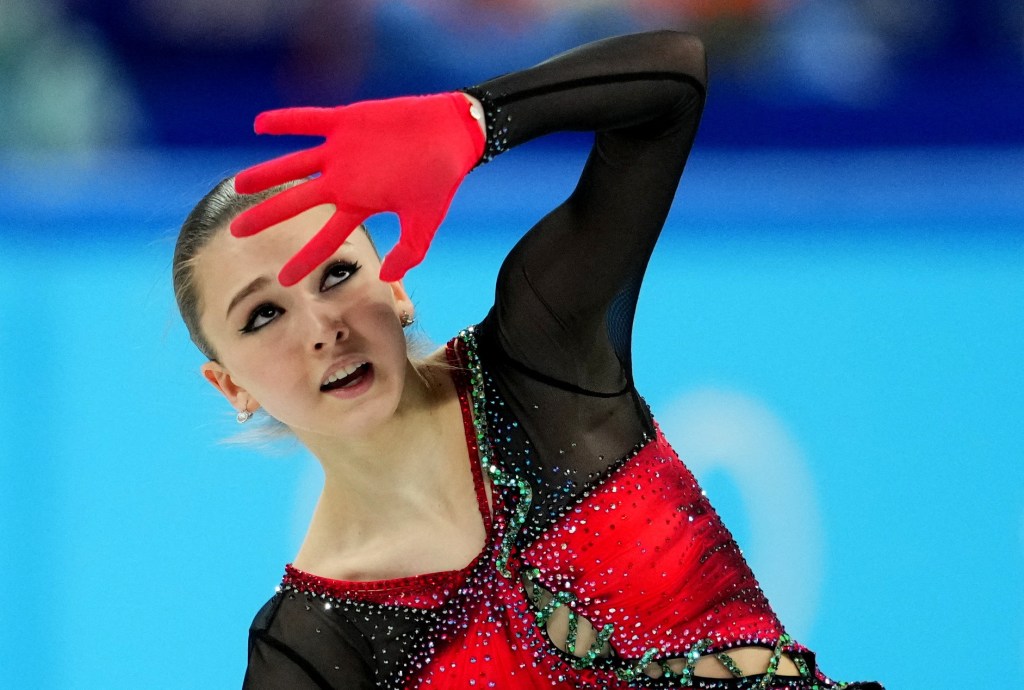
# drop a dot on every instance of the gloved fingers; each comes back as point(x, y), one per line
point(397, 262)
point(417, 231)
point(317, 122)
point(280, 207)
point(291, 166)
point(321, 247)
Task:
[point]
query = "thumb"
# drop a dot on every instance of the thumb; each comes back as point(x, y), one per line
point(417, 232)
point(398, 261)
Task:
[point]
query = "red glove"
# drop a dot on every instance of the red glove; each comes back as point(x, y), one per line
point(403, 155)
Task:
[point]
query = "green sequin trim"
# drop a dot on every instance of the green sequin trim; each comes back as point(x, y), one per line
point(801, 666)
point(570, 636)
point(636, 670)
point(559, 600)
point(693, 655)
point(518, 519)
point(497, 475)
point(730, 664)
point(588, 659)
point(773, 662)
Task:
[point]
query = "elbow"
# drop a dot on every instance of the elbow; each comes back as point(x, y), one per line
point(684, 53)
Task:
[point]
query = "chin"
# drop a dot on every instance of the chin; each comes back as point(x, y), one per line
point(364, 417)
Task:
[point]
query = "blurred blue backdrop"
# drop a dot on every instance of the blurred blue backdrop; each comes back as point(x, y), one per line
point(836, 304)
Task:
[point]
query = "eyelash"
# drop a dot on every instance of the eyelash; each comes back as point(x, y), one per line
point(250, 326)
point(351, 267)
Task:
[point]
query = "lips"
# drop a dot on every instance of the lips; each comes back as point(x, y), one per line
point(346, 376)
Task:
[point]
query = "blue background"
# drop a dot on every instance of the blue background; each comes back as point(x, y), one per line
point(830, 333)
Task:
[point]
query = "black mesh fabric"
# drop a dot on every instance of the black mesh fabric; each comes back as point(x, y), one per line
point(556, 343)
point(299, 640)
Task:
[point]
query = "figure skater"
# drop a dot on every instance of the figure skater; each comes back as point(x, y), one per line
point(503, 513)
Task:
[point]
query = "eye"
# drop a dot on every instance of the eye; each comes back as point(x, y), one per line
point(261, 316)
point(337, 273)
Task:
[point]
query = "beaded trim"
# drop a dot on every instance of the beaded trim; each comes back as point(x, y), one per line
point(558, 600)
point(633, 670)
point(465, 404)
point(773, 662)
point(497, 122)
point(487, 456)
point(730, 664)
point(427, 591)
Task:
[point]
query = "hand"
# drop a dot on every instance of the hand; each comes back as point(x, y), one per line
point(403, 155)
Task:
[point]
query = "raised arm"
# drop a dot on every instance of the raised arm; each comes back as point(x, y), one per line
point(571, 284)
point(557, 342)
point(413, 152)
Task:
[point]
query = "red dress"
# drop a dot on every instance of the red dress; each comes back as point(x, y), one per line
point(643, 557)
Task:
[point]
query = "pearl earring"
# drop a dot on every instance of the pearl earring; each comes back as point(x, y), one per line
point(243, 416)
point(406, 319)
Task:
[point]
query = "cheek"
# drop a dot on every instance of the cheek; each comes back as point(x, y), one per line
point(283, 397)
point(389, 328)
point(268, 370)
point(371, 311)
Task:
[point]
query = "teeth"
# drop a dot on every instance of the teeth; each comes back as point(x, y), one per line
point(342, 373)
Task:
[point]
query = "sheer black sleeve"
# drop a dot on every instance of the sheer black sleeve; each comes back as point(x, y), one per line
point(293, 644)
point(557, 341)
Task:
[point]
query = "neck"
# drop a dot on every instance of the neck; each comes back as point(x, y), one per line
point(391, 475)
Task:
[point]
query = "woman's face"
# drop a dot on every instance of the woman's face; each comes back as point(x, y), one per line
point(326, 355)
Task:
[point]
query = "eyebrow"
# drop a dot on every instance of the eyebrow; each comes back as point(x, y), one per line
point(255, 285)
point(252, 287)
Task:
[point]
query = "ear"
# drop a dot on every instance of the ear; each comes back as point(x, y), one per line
point(403, 304)
point(220, 378)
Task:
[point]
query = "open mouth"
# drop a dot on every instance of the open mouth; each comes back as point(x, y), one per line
point(346, 377)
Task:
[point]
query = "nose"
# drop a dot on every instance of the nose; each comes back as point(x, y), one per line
point(328, 326)
point(320, 345)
